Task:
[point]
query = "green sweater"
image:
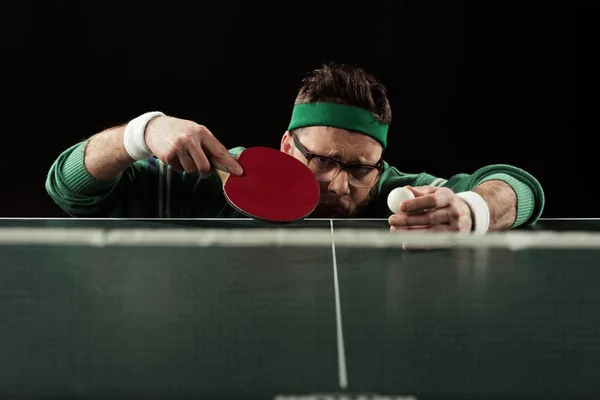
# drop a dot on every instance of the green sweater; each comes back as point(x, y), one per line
point(151, 189)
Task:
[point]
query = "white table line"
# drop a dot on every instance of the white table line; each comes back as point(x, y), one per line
point(187, 219)
point(343, 376)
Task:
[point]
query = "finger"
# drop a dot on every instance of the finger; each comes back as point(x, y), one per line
point(417, 212)
point(414, 228)
point(431, 217)
point(172, 159)
point(221, 155)
point(438, 228)
point(230, 162)
point(187, 162)
point(422, 228)
point(422, 190)
point(439, 199)
point(200, 159)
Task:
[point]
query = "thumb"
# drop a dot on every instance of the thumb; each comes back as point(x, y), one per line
point(422, 190)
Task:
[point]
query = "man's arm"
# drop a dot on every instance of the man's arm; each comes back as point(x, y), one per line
point(489, 206)
point(185, 145)
point(99, 178)
point(512, 196)
point(513, 191)
point(501, 200)
point(105, 155)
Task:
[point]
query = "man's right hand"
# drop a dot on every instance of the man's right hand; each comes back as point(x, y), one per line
point(187, 146)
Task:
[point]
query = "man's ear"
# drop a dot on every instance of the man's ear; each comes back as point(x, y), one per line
point(286, 143)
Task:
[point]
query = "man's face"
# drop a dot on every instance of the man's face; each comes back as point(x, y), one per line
point(342, 194)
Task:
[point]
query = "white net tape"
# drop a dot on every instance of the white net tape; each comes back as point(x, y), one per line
point(286, 237)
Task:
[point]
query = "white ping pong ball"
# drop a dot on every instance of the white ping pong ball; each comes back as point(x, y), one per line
point(397, 196)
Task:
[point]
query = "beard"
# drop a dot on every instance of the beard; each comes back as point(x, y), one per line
point(331, 206)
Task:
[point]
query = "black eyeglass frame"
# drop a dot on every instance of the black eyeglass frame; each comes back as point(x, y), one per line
point(343, 166)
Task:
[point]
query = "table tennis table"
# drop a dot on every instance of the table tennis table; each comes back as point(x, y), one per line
point(294, 322)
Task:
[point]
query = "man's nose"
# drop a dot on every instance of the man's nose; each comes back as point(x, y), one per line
point(340, 185)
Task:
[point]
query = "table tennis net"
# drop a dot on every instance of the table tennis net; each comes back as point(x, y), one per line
point(289, 237)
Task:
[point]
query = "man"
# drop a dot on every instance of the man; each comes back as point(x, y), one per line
point(158, 166)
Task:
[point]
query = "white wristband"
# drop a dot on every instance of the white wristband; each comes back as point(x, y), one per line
point(134, 141)
point(480, 212)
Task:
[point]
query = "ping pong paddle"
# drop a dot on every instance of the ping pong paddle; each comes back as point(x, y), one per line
point(275, 187)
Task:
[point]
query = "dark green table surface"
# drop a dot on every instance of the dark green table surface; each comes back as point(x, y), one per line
point(228, 323)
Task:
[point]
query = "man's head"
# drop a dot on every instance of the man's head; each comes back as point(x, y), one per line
point(341, 115)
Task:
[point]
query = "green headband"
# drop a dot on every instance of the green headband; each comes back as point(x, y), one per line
point(339, 116)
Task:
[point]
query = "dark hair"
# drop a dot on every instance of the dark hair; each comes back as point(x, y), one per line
point(346, 84)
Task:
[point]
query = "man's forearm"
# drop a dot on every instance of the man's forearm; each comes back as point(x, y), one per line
point(502, 202)
point(105, 154)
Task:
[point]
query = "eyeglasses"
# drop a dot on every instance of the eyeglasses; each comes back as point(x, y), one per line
point(326, 168)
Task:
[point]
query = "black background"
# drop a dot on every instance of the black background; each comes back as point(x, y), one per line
point(471, 83)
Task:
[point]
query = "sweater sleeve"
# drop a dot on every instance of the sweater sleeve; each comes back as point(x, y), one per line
point(75, 190)
point(529, 192)
point(146, 189)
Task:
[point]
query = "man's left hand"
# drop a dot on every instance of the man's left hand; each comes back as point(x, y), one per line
point(435, 209)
